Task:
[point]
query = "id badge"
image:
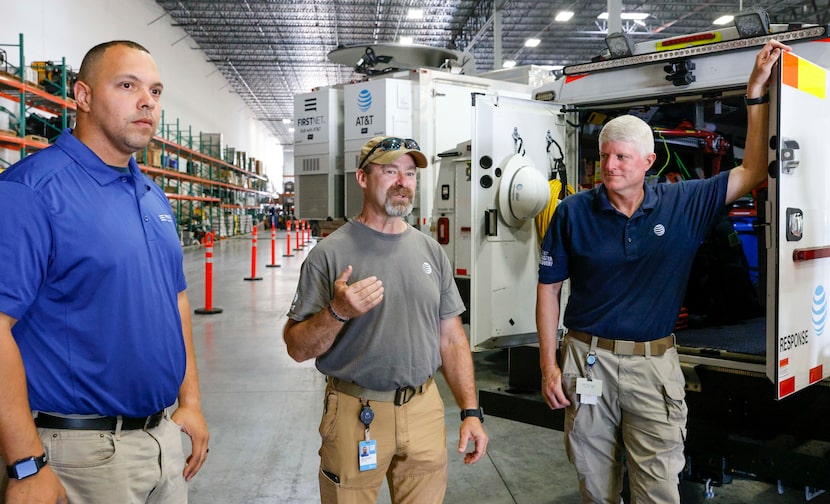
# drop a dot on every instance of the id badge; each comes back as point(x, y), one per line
point(367, 455)
point(589, 390)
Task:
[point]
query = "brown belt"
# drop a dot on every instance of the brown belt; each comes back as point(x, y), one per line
point(399, 396)
point(623, 347)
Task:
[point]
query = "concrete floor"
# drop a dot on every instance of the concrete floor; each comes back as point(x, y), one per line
point(263, 408)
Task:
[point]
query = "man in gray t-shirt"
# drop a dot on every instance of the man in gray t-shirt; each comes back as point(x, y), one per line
point(378, 309)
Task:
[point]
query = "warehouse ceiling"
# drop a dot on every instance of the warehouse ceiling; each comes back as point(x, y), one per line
point(270, 50)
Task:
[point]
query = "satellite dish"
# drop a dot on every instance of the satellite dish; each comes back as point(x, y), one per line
point(523, 191)
point(374, 59)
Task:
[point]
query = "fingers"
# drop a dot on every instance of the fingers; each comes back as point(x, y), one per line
point(472, 431)
point(764, 61)
point(192, 423)
point(345, 275)
point(552, 390)
point(358, 298)
point(196, 459)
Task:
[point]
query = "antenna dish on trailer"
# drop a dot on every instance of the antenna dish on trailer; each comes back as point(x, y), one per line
point(375, 59)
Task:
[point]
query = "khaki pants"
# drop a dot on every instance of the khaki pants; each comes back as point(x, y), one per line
point(127, 467)
point(641, 414)
point(411, 450)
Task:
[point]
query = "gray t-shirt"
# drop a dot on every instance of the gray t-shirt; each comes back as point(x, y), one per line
point(396, 343)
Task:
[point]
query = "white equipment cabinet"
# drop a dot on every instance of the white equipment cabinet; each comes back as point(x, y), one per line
point(318, 154)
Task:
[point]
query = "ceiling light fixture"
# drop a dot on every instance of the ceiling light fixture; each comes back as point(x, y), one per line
point(508, 64)
point(415, 14)
point(532, 42)
point(406, 40)
point(563, 16)
point(628, 16)
point(723, 20)
point(286, 121)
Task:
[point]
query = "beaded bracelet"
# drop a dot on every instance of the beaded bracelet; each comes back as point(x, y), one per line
point(335, 315)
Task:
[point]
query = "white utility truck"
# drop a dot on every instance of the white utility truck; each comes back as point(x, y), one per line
point(753, 334)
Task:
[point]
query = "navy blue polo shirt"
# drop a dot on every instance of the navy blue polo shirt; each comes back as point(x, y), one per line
point(629, 275)
point(91, 270)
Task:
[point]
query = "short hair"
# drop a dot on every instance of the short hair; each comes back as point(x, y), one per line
point(631, 129)
point(93, 56)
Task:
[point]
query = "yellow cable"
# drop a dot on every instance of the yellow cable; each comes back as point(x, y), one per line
point(545, 216)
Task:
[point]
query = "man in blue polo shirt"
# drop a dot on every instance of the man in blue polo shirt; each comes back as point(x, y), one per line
point(628, 249)
point(95, 332)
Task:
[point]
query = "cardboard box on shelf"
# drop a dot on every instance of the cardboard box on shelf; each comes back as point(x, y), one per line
point(258, 167)
point(153, 156)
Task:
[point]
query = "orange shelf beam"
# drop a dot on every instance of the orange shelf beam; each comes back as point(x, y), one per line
point(192, 198)
point(16, 142)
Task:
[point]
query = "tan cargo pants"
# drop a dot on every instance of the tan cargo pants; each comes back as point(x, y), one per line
point(411, 450)
point(641, 415)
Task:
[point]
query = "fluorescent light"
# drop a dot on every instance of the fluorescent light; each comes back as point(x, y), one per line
point(406, 40)
point(629, 16)
point(723, 20)
point(415, 14)
point(291, 130)
point(532, 42)
point(563, 16)
point(286, 121)
point(508, 64)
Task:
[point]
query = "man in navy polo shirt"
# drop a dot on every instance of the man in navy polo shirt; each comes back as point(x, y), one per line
point(628, 249)
point(95, 332)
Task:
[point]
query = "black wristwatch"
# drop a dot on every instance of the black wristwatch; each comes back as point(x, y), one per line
point(756, 101)
point(478, 413)
point(26, 467)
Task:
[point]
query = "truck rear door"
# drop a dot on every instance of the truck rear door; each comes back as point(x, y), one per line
point(798, 262)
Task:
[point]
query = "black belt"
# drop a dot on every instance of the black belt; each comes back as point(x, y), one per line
point(399, 396)
point(46, 421)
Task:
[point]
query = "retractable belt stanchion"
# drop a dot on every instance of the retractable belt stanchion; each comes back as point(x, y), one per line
point(209, 309)
point(273, 249)
point(253, 258)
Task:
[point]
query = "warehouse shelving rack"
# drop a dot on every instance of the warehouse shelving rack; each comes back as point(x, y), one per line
point(203, 185)
point(29, 96)
point(196, 183)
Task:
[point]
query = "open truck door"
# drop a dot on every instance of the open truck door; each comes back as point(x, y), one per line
point(515, 146)
point(798, 262)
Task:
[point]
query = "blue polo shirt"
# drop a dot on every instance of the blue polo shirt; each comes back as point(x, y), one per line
point(629, 275)
point(91, 270)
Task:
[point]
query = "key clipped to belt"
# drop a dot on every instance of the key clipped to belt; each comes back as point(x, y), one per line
point(367, 449)
point(589, 390)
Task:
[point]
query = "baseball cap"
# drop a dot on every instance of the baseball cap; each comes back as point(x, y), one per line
point(385, 150)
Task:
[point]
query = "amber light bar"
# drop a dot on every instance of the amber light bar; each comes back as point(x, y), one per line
point(641, 59)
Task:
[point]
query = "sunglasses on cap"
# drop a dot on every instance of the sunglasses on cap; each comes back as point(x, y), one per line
point(390, 144)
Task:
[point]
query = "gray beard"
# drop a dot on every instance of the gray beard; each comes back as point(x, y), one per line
point(398, 210)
